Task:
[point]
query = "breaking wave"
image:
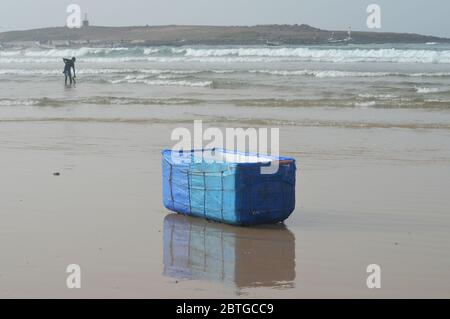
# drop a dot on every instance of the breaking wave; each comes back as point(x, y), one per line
point(359, 101)
point(245, 122)
point(171, 73)
point(98, 100)
point(426, 90)
point(231, 54)
point(338, 74)
point(161, 82)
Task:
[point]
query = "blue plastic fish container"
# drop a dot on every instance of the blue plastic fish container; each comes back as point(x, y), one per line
point(231, 190)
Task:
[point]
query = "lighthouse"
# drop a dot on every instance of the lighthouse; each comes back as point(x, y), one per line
point(85, 21)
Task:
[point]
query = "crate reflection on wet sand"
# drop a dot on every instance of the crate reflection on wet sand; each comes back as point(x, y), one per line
point(198, 249)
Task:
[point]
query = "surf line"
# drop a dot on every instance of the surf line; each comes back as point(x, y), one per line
point(187, 309)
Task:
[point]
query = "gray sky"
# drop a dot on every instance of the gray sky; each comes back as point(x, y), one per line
point(430, 17)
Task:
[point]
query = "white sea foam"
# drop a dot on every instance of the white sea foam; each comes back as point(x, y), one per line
point(365, 104)
point(97, 71)
point(335, 73)
point(231, 54)
point(426, 90)
point(328, 55)
point(436, 74)
point(377, 96)
point(170, 76)
point(161, 82)
point(159, 71)
point(17, 102)
point(28, 72)
point(322, 73)
point(178, 72)
point(59, 71)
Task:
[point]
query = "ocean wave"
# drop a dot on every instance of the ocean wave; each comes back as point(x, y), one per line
point(338, 74)
point(107, 100)
point(244, 121)
point(28, 72)
point(142, 79)
point(97, 100)
point(360, 101)
point(100, 71)
point(426, 90)
point(367, 101)
point(320, 73)
point(339, 124)
point(328, 55)
point(18, 102)
point(377, 96)
point(366, 104)
point(236, 54)
point(173, 73)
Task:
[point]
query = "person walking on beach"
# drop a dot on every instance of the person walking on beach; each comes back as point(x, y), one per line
point(69, 64)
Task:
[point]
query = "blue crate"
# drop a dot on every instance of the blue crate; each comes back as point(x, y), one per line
point(230, 190)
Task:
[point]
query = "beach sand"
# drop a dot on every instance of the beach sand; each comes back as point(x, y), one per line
point(364, 196)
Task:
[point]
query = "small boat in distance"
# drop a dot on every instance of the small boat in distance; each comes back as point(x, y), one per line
point(273, 43)
point(348, 39)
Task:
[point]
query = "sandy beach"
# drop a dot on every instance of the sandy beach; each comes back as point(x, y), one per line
point(372, 180)
point(104, 213)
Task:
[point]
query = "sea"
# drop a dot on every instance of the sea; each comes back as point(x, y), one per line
point(389, 85)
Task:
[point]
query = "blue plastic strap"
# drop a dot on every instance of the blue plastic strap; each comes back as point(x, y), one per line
point(189, 192)
point(221, 192)
point(204, 195)
point(170, 185)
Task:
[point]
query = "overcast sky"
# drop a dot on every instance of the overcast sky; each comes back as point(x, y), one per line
point(431, 17)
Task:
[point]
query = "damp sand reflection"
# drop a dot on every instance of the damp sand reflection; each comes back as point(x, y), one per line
point(196, 249)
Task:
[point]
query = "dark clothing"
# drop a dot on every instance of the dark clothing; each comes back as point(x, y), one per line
point(68, 66)
point(68, 75)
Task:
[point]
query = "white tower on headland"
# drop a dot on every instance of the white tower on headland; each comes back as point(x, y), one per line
point(85, 21)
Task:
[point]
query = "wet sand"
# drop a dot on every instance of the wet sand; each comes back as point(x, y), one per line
point(364, 196)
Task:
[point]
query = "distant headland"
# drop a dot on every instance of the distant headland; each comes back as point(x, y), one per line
point(177, 35)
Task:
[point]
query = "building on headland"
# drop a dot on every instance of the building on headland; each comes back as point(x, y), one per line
point(85, 21)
